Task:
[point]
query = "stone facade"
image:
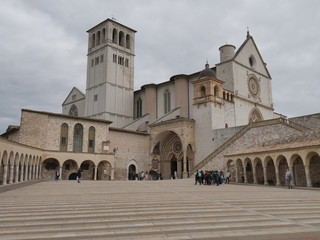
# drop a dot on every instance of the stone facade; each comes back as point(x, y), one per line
point(219, 118)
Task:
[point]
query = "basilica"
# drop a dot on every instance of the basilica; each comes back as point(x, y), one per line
point(219, 118)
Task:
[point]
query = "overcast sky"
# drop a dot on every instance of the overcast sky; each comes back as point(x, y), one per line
point(43, 46)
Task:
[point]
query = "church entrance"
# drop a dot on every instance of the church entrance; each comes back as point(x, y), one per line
point(132, 172)
point(174, 167)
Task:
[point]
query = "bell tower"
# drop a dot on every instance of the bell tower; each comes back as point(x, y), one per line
point(110, 72)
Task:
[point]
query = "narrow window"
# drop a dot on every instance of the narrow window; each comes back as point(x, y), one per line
point(139, 108)
point(103, 35)
point(64, 137)
point(77, 138)
point(101, 58)
point(127, 62)
point(92, 62)
point(91, 137)
point(121, 39)
point(114, 58)
point(95, 98)
point(216, 91)
point(97, 60)
point(167, 102)
point(114, 35)
point(128, 41)
point(98, 38)
point(93, 40)
point(203, 91)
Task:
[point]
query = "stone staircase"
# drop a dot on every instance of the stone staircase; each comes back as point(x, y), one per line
point(169, 209)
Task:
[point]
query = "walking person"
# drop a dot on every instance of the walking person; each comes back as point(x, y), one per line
point(228, 175)
point(57, 175)
point(79, 175)
point(289, 179)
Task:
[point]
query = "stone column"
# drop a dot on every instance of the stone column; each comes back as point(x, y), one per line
point(237, 179)
point(245, 174)
point(254, 174)
point(30, 172)
point(95, 173)
point(37, 171)
point(26, 172)
point(277, 176)
point(185, 173)
point(308, 178)
point(40, 170)
point(16, 176)
point(34, 172)
point(112, 173)
point(11, 173)
point(60, 170)
point(265, 175)
point(5, 174)
point(21, 173)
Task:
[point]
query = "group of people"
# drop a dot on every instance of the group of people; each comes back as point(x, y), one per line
point(212, 177)
point(151, 175)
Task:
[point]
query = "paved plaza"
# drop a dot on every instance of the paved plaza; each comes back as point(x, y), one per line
point(156, 210)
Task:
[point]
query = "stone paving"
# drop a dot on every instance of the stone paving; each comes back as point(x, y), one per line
point(157, 210)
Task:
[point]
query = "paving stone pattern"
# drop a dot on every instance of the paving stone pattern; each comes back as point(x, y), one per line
point(157, 210)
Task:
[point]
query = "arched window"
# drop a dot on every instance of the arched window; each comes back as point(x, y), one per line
point(93, 40)
point(203, 91)
point(77, 138)
point(121, 39)
point(128, 41)
point(64, 137)
point(98, 38)
point(255, 116)
point(114, 36)
point(103, 35)
point(139, 108)
point(91, 139)
point(73, 111)
point(167, 102)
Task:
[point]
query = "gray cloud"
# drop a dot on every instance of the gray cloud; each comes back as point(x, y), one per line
point(43, 46)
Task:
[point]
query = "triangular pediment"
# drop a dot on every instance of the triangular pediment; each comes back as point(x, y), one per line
point(248, 54)
point(74, 96)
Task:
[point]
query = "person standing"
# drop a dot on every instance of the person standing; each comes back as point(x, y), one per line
point(79, 175)
point(228, 175)
point(289, 179)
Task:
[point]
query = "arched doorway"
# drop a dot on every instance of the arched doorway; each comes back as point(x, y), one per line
point(283, 166)
point(174, 166)
point(271, 172)
point(104, 171)
point(240, 174)
point(259, 171)
point(299, 174)
point(249, 171)
point(72, 176)
point(69, 167)
point(132, 172)
point(314, 167)
point(49, 167)
point(87, 168)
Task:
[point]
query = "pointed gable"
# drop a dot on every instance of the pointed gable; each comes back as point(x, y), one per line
point(248, 54)
point(74, 95)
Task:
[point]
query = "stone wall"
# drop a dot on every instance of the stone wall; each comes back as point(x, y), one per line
point(129, 146)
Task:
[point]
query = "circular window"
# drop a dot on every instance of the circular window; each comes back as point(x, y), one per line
point(253, 86)
point(177, 147)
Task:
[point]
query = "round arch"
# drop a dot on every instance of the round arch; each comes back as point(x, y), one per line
point(298, 169)
point(240, 173)
point(104, 170)
point(257, 164)
point(313, 161)
point(48, 168)
point(132, 170)
point(87, 168)
point(69, 167)
point(270, 170)
point(249, 170)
